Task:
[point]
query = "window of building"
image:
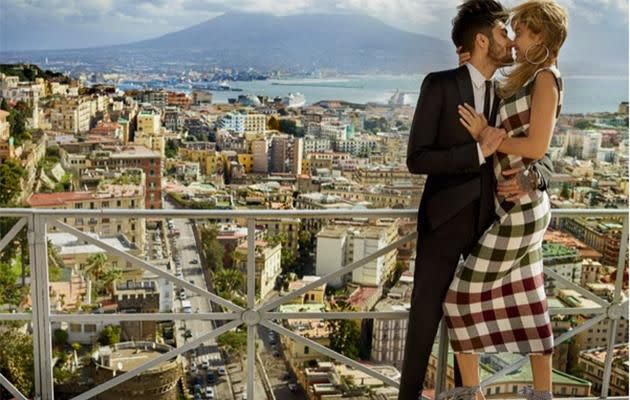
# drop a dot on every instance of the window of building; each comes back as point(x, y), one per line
point(75, 328)
point(89, 328)
point(305, 349)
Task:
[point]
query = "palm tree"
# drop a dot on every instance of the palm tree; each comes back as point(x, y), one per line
point(96, 264)
point(95, 268)
point(55, 262)
point(228, 280)
point(110, 277)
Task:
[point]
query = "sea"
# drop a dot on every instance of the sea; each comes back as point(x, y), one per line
point(582, 94)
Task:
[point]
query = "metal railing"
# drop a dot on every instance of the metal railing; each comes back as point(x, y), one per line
point(37, 221)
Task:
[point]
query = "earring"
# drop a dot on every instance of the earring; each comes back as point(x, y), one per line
point(540, 62)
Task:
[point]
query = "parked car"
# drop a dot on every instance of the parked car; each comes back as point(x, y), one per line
point(209, 392)
point(205, 364)
point(292, 387)
point(221, 370)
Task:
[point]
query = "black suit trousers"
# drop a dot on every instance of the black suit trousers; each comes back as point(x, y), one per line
point(437, 256)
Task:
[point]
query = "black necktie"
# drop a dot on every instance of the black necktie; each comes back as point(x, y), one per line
point(486, 101)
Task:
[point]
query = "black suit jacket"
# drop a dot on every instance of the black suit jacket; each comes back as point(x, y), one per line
point(440, 147)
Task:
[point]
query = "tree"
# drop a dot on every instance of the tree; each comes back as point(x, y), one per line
point(55, 263)
point(11, 175)
point(10, 291)
point(273, 124)
point(95, 268)
point(290, 127)
point(109, 335)
point(171, 148)
point(109, 278)
point(344, 334)
point(4, 105)
point(96, 265)
point(60, 337)
point(213, 251)
point(227, 281)
point(234, 342)
point(16, 359)
point(375, 125)
point(583, 124)
point(566, 192)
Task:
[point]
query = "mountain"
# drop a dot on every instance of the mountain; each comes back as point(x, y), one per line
point(347, 43)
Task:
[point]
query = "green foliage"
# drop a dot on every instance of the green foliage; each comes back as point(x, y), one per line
point(583, 124)
point(17, 119)
point(227, 281)
point(16, 358)
point(60, 337)
point(375, 125)
point(10, 291)
point(28, 72)
point(109, 335)
point(566, 192)
point(212, 250)
point(344, 334)
point(234, 342)
point(290, 127)
point(11, 174)
point(171, 148)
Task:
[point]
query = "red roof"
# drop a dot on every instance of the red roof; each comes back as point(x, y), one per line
point(57, 199)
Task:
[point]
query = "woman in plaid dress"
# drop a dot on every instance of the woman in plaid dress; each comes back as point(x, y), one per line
point(496, 302)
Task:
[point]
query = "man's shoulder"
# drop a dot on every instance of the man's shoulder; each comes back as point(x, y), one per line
point(443, 75)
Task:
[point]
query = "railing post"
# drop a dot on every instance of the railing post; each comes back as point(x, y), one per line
point(251, 303)
point(442, 359)
point(42, 337)
point(613, 322)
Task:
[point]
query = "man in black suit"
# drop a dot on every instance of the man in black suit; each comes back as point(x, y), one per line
point(457, 204)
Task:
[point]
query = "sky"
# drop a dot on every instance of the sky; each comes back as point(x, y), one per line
point(64, 24)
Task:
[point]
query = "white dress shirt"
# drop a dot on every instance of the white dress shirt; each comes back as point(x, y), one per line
point(479, 91)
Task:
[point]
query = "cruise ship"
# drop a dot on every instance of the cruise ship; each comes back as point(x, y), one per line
point(294, 100)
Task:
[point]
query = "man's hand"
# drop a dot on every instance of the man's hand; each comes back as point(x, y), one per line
point(490, 139)
point(517, 184)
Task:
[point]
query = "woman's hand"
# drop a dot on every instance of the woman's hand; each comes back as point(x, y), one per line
point(473, 122)
point(463, 56)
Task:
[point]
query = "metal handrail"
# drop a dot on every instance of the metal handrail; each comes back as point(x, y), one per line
point(37, 220)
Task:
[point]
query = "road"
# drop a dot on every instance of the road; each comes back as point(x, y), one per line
point(185, 247)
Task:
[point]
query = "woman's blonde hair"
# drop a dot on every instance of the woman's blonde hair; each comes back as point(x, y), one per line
point(543, 17)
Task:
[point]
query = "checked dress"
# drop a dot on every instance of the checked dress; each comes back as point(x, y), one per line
point(496, 301)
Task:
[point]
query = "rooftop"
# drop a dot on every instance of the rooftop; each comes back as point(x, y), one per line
point(129, 355)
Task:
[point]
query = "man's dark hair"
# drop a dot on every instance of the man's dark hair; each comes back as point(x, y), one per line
point(473, 17)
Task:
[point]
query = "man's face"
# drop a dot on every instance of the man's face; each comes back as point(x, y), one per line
point(500, 46)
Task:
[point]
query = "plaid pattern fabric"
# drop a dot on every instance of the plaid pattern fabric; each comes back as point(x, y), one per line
point(496, 302)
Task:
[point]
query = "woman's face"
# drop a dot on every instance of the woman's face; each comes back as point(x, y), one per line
point(524, 38)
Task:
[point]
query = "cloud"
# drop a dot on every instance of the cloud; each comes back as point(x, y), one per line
point(124, 20)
